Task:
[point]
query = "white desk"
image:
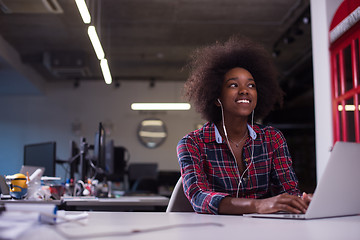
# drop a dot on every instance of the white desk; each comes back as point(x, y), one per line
point(119, 225)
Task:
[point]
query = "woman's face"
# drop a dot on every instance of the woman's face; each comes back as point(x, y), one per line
point(238, 94)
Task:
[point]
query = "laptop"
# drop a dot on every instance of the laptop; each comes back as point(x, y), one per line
point(338, 192)
point(29, 170)
point(5, 191)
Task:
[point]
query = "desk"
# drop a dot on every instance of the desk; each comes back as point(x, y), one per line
point(55, 202)
point(125, 203)
point(187, 226)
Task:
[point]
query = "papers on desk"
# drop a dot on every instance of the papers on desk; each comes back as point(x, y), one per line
point(46, 213)
point(20, 217)
point(13, 224)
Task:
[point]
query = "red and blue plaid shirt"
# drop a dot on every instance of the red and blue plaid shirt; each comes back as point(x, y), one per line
point(210, 171)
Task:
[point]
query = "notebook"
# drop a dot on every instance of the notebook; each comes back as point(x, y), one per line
point(338, 192)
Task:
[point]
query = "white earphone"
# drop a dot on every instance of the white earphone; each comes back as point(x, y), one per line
point(232, 152)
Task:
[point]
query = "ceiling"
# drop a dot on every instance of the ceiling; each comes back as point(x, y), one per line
point(152, 39)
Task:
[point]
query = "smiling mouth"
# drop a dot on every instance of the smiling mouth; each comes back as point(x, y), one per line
point(243, 101)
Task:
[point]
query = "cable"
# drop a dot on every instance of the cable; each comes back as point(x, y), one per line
point(96, 169)
point(134, 231)
point(232, 152)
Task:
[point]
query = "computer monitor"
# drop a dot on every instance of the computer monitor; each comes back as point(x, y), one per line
point(109, 156)
point(74, 160)
point(42, 155)
point(116, 160)
point(99, 148)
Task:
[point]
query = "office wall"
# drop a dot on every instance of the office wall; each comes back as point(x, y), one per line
point(28, 119)
point(322, 12)
point(51, 116)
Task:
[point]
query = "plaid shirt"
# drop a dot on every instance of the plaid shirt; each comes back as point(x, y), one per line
point(210, 172)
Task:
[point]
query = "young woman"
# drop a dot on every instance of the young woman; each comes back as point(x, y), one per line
point(232, 165)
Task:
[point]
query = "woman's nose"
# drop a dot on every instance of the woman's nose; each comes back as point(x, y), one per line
point(242, 91)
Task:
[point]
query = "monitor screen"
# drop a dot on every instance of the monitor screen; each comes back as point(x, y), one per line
point(74, 159)
point(42, 155)
point(99, 148)
point(116, 159)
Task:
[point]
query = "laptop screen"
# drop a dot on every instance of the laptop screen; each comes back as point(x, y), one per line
point(3, 186)
point(42, 155)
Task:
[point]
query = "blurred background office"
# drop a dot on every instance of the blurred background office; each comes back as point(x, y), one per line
point(53, 89)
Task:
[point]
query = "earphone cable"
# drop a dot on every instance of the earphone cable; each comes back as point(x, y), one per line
point(231, 150)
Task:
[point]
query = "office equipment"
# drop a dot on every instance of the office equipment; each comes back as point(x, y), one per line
point(74, 160)
point(95, 165)
point(178, 201)
point(167, 181)
point(143, 178)
point(43, 155)
point(338, 192)
point(99, 148)
point(5, 191)
point(116, 159)
point(84, 163)
point(29, 170)
point(98, 160)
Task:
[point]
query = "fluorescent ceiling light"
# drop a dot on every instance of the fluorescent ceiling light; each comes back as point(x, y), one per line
point(84, 12)
point(105, 70)
point(96, 42)
point(160, 106)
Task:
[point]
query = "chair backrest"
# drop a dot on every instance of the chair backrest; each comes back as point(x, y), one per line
point(178, 201)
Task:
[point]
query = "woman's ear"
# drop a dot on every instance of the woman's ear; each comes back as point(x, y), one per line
point(218, 102)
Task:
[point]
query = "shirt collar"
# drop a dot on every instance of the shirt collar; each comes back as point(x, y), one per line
point(219, 138)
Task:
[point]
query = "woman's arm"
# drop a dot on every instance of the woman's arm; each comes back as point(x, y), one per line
point(283, 177)
point(282, 202)
point(196, 186)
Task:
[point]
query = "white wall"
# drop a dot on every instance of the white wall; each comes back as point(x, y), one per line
point(49, 117)
point(322, 12)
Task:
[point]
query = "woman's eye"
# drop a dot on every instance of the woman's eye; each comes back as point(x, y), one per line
point(252, 85)
point(233, 85)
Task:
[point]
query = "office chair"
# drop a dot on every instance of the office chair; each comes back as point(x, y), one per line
point(178, 201)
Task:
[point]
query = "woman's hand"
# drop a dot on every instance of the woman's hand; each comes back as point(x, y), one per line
point(307, 197)
point(283, 202)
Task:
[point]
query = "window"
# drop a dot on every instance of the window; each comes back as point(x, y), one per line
point(344, 51)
